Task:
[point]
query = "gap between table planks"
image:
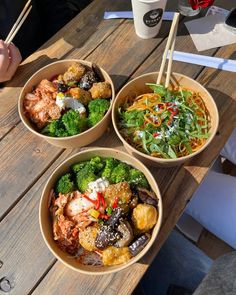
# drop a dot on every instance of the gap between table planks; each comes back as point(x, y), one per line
point(10, 219)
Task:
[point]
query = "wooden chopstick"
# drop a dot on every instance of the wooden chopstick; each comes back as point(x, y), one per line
point(170, 43)
point(168, 72)
point(20, 20)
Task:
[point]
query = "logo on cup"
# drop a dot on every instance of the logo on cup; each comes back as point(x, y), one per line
point(153, 17)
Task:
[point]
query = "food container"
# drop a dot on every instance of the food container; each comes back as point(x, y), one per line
point(137, 87)
point(77, 140)
point(46, 222)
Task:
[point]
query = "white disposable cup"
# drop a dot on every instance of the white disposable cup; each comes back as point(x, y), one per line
point(148, 17)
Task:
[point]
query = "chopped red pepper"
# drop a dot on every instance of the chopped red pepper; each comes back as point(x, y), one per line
point(101, 200)
point(145, 123)
point(156, 134)
point(172, 114)
point(115, 203)
point(97, 206)
point(90, 200)
point(104, 216)
point(75, 232)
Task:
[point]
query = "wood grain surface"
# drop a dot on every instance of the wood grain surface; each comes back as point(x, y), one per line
point(27, 161)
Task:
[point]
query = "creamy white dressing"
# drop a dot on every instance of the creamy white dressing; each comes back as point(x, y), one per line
point(154, 118)
point(189, 118)
point(98, 185)
point(140, 134)
point(67, 102)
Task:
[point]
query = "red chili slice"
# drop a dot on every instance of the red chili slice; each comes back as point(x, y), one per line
point(115, 203)
point(156, 134)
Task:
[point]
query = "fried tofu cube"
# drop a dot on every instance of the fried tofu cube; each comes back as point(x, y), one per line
point(74, 73)
point(87, 238)
point(121, 190)
point(82, 95)
point(114, 256)
point(144, 217)
point(101, 90)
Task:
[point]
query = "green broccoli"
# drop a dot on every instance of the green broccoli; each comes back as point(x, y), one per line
point(84, 176)
point(94, 118)
point(56, 129)
point(97, 164)
point(65, 185)
point(120, 173)
point(136, 177)
point(110, 164)
point(74, 124)
point(77, 167)
point(97, 109)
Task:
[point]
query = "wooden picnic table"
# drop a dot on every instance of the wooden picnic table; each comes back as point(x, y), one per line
point(26, 264)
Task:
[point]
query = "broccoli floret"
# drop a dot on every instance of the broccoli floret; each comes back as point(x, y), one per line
point(84, 176)
point(136, 177)
point(94, 118)
point(97, 109)
point(110, 164)
point(65, 185)
point(74, 124)
point(99, 106)
point(56, 128)
point(77, 167)
point(120, 173)
point(97, 164)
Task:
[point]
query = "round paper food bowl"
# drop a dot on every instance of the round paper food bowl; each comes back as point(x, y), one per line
point(77, 140)
point(137, 87)
point(46, 222)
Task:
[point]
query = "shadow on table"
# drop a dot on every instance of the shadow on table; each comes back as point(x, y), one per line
point(26, 70)
point(119, 81)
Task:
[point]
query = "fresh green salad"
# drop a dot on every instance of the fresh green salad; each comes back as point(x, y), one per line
point(165, 123)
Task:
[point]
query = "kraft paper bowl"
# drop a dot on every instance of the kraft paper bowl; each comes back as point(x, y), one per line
point(77, 140)
point(137, 87)
point(46, 222)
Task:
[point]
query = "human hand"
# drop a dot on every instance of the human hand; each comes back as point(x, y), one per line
point(10, 59)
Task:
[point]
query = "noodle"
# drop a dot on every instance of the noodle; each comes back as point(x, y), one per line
point(160, 112)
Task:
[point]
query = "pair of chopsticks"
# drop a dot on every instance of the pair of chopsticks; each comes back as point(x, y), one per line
point(170, 45)
point(19, 22)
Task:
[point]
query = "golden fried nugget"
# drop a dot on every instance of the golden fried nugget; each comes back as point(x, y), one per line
point(144, 217)
point(82, 95)
point(74, 73)
point(121, 190)
point(87, 238)
point(114, 256)
point(101, 90)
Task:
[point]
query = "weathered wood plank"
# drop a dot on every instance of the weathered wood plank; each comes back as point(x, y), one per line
point(23, 159)
point(24, 254)
point(82, 35)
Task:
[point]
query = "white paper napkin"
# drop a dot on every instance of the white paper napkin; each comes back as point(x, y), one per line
point(167, 15)
point(213, 10)
point(210, 32)
point(204, 60)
